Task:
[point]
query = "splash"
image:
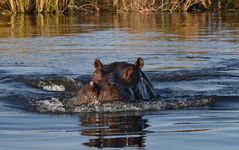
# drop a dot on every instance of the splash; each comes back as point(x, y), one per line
point(53, 106)
point(54, 83)
point(54, 87)
point(66, 106)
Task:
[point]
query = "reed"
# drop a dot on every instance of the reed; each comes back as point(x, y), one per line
point(160, 5)
point(47, 6)
point(174, 5)
point(74, 6)
point(230, 4)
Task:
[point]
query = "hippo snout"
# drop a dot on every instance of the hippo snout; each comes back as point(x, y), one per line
point(107, 92)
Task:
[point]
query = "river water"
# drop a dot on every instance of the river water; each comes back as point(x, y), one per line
point(192, 60)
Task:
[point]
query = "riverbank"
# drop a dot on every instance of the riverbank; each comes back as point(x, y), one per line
point(77, 6)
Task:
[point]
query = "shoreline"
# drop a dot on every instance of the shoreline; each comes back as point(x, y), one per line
point(91, 6)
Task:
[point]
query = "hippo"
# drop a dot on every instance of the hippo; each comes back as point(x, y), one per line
point(117, 81)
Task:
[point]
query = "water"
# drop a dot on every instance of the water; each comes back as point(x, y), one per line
point(191, 59)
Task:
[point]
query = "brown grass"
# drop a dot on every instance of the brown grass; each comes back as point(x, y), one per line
point(160, 5)
point(74, 6)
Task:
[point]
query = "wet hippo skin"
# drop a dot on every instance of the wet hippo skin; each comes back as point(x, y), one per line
point(117, 81)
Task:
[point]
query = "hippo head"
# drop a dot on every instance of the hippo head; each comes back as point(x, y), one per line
point(117, 81)
point(123, 73)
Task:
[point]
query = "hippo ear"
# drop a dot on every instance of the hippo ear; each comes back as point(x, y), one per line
point(139, 63)
point(98, 64)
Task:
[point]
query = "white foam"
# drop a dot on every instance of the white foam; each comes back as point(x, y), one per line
point(54, 87)
point(67, 106)
point(53, 105)
point(143, 105)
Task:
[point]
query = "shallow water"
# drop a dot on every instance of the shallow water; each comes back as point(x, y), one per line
point(192, 60)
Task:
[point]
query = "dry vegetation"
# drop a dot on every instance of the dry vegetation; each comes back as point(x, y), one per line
point(174, 5)
point(74, 6)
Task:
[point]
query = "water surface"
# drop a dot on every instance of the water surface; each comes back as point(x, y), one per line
point(187, 56)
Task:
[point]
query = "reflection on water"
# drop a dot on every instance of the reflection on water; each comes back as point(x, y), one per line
point(114, 130)
point(167, 41)
point(183, 24)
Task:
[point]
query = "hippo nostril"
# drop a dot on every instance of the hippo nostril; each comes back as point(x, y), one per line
point(112, 83)
point(96, 87)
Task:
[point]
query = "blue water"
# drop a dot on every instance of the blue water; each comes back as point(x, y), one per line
point(192, 60)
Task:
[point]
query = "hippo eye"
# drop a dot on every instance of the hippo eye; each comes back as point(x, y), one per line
point(128, 73)
point(134, 74)
point(131, 74)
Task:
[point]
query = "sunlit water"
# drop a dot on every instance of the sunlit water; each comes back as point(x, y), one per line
point(192, 60)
